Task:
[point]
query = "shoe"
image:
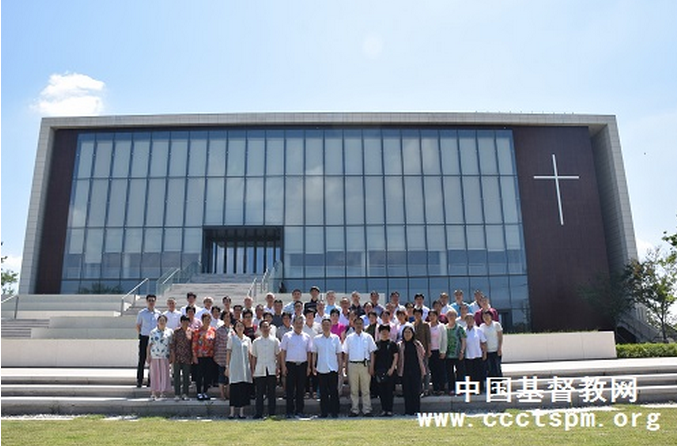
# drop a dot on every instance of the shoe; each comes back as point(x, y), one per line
point(153, 397)
point(200, 397)
point(368, 415)
point(389, 414)
point(177, 398)
point(185, 397)
point(138, 385)
point(324, 415)
point(334, 415)
point(353, 415)
point(258, 417)
point(300, 415)
point(241, 417)
point(383, 414)
point(162, 396)
point(206, 397)
point(289, 416)
point(231, 417)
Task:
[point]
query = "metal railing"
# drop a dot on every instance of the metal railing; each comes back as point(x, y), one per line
point(270, 277)
point(16, 303)
point(132, 292)
point(251, 292)
point(176, 276)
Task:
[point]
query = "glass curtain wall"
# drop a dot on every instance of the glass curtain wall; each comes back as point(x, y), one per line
point(394, 208)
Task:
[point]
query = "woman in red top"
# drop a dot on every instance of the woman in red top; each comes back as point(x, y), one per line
point(203, 356)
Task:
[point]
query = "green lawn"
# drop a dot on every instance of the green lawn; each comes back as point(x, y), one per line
point(161, 431)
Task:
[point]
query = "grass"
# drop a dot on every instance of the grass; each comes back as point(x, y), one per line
point(160, 431)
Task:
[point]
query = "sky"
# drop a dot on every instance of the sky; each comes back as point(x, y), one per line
point(82, 57)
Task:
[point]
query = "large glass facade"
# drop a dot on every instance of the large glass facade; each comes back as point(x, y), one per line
point(359, 208)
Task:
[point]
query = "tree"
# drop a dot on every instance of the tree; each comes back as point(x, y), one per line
point(653, 282)
point(9, 278)
point(608, 295)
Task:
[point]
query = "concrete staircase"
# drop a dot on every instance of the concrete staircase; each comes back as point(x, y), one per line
point(113, 391)
point(21, 328)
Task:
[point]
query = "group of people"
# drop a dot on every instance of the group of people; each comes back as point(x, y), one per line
point(310, 347)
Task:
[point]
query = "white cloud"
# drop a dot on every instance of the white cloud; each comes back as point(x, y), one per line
point(71, 94)
point(643, 248)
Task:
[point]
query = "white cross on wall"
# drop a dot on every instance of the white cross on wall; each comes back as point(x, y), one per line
point(557, 177)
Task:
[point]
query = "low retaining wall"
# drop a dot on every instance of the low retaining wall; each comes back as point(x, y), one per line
point(123, 353)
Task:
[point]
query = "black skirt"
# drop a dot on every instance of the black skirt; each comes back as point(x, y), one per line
point(239, 394)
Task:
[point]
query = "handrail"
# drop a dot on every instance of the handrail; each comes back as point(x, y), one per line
point(177, 275)
point(16, 303)
point(252, 289)
point(133, 290)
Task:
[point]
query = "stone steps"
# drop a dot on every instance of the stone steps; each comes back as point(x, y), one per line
point(113, 391)
point(21, 328)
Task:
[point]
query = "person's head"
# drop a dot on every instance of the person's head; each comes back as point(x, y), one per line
point(286, 319)
point(458, 295)
point(469, 321)
point(401, 316)
point(367, 307)
point(208, 302)
point(150, 301)
point(334, 315)
point(330, 296)
point(358, 325)
point(247, 317)
point(277, 306)
point(248, 301)
point(206, 319)
point(314, 292)
point(226, 302)
point(410, 309)
point(162, 322)
point(191, 298)
point(437, 305)
point(225, 317)
point(384, 332)
point(486, 317)
point(355, 298)
point(418, 299)
point(395, 297)
point(345, 304)
point(484, 302)
point(464, 309)
point(298, 307)
point(418, 314)
point(258, 311)
point(408, 333)
point(299, 320)
point(190, 312)
point(265, 329)
point(385, 317)
point(296, 294)
point(268, 317)
point(320, 307)
point(351, 317)
point(216, 312)
point(374, 296)
point(373, 317)
point(451, 317)
point(270, 300)
point(326, 325)
point(309, 313)
point(185, 322)
point(239, 328)
point(433, 315)
point(237, 311)
point(171, 304)
point(478, 296)
point(444, 298)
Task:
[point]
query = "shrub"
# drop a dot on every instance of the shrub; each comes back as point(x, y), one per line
point(646, 350)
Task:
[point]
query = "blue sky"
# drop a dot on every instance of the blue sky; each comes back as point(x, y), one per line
point(160, 56)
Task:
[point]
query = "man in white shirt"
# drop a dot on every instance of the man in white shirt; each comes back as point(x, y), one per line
point(265, 353)
point(476, 305)
point(191, 298)
point(326, 359)
point(418, 303)
point(444, 302)
point(146, 320)
point(358, 359)
point(312, 329)
point(207, 302)
point(270, 302)
point(395, 302)
point(295, 364)
point(173, 315)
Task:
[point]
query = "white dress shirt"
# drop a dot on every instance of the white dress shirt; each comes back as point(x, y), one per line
point(474, 338)
point(326, 348)
point(173, 319)
point(296, 346)
point(359, 347)
point(265, 350)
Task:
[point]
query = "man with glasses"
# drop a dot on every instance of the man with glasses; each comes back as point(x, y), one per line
point(146, 320)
